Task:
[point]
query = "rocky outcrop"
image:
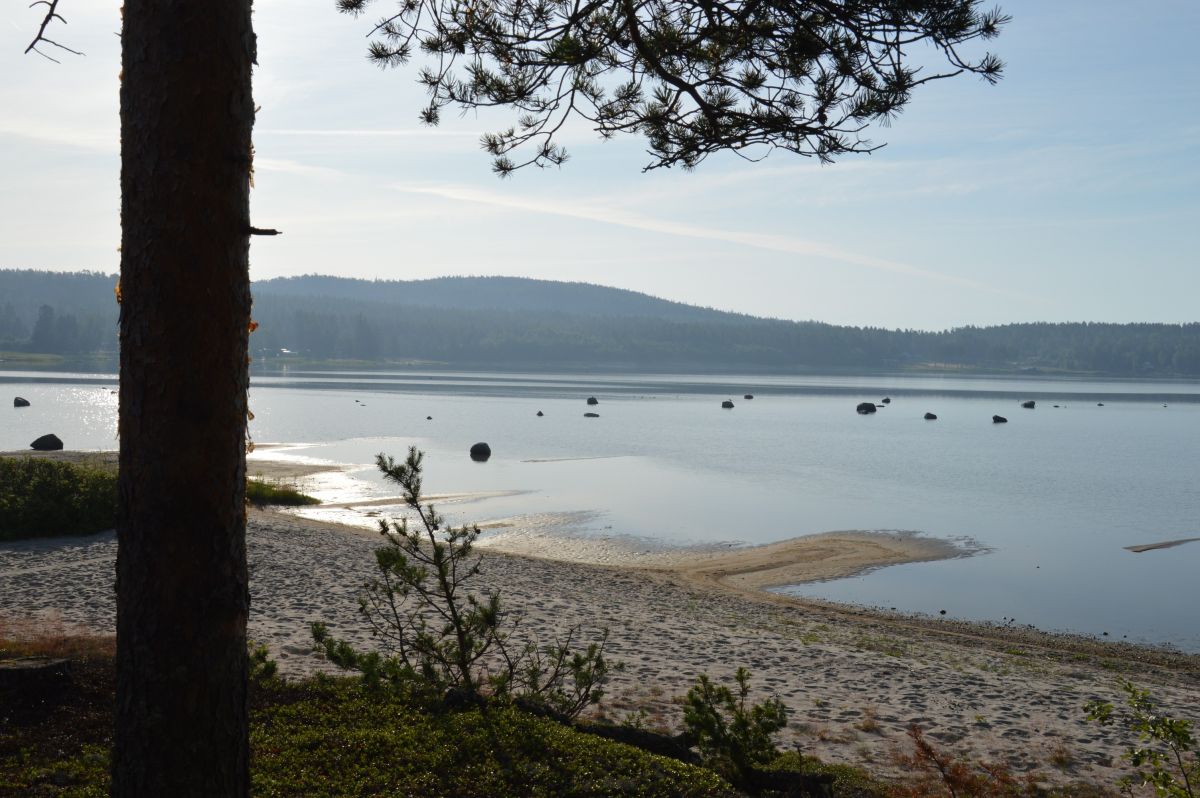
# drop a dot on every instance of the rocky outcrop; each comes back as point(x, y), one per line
point(480, 452)
point(47, 443)
point(591, 415)
point(748, 396)
point(593, 400)
point(727, 404)
point(540, 414)
point(20, 402)
point(865, 408)
point(1029, 405)
point(887, 400)
point(999, 420)
point(930, 417)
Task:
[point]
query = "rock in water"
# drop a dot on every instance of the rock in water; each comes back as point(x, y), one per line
point(1029, 405)
point(727, 404)
point(540, 414)
point(930, 417)
point(865, 408)
point(887, 400)
point(593, 400)
point(591, 415)
point(20, 402)
point(480, 452)
point(999, 420)
point(748, 396)
point(47, 443)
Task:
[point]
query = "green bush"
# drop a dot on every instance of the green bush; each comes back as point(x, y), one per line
point(733, 737)
point(43, 498)
point(1166, 757)
point(435, 636)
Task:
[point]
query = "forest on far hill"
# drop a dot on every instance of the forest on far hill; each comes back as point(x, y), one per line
point(516, 322)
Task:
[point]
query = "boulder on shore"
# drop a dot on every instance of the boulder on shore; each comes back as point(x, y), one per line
point(1029, 405)
point(591, 415)
point(47, 443)
point(593, 400)
point(480, 452)
point(999, 420)
point(540, 414)
point(887, 400)
point(930, 417)
point(748, 396)
point(865, 408)
point(20, 402)
point(727, 404)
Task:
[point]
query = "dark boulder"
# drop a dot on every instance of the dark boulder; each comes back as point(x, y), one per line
point(480, 452)
point(593, 400)
point(429, 418)
point(540, 414)
point(999, 420)
point(865, 408)
point(1029, 405)
point(930, 417)
point(887, 400)
point(1099, 404)
point(751, 396)
point(591, 415)
point(47, 443)
point(727, 404)
point(20, 402)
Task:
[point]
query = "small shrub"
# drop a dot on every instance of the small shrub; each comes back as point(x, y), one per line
point(43, 498)
point(935, 772)
point(1167, 759)
point(733, 737)
point(439, 637)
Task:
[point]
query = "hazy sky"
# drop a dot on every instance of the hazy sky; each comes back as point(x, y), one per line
point(1068, 192)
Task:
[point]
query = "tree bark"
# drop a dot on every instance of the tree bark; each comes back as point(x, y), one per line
point(182, 593)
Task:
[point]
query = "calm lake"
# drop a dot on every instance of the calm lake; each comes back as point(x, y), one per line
point(1043, 506)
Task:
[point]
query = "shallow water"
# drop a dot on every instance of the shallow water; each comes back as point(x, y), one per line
point(1053, 496)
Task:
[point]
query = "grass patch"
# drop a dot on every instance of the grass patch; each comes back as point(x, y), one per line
point(42, 498)
point(333, 737)
point(260, 493)
point(46, 497)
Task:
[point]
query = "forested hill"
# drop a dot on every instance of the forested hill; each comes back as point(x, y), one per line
point(502, 322)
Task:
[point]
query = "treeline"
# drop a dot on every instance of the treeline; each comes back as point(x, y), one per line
point(514, 322)
point(66, 313)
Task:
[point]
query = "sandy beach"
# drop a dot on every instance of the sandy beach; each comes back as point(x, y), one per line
point(853, 679)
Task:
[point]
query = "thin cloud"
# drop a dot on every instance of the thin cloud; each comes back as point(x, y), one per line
point(767, 241)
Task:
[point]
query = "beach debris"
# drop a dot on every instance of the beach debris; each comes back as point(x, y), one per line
point(480, 452)
point(591, 400)
point(22, 402)
point(999, 420)
point(540, 414)
point(591, 415)
point(930, 417)
point(47, 443)
point(887, 400)
point(751, 396)
point(727, 404)
point(865, 408)
point(1029, 405)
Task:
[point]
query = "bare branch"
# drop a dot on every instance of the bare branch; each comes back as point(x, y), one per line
point(40, 38)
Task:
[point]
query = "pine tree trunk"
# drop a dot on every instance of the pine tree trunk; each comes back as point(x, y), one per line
point(182, 596)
